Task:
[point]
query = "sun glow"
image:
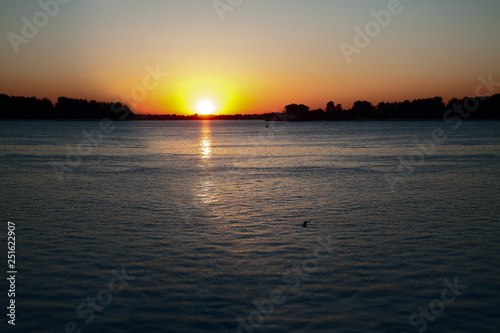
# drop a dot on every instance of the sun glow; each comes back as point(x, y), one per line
point(189, 96)
point(205, 107)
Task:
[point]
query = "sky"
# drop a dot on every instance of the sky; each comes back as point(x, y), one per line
point(246, 56)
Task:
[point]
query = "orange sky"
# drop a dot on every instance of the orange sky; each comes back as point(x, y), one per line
point(262, 56)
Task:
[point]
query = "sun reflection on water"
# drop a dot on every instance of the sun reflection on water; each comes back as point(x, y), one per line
point(206, 141)
point(207, 188)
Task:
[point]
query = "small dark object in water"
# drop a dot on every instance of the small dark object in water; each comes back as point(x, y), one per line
point(304, 225)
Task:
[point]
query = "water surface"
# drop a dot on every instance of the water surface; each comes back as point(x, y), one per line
point(207, 217)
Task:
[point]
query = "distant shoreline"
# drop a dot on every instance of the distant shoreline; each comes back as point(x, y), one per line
point(188, 119)
point(467, 108)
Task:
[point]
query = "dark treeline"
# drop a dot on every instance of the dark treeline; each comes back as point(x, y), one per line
point(13, 107)
point(430, 108)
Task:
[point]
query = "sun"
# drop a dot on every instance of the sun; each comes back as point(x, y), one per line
point(205, 107)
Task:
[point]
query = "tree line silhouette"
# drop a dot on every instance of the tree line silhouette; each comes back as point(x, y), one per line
point(429, 108)
point(14, 107)
point(488, 107)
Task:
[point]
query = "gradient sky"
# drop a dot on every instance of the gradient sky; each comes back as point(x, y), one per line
point(264, 55)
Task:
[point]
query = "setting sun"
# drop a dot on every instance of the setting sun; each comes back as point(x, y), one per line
point(205, 107)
